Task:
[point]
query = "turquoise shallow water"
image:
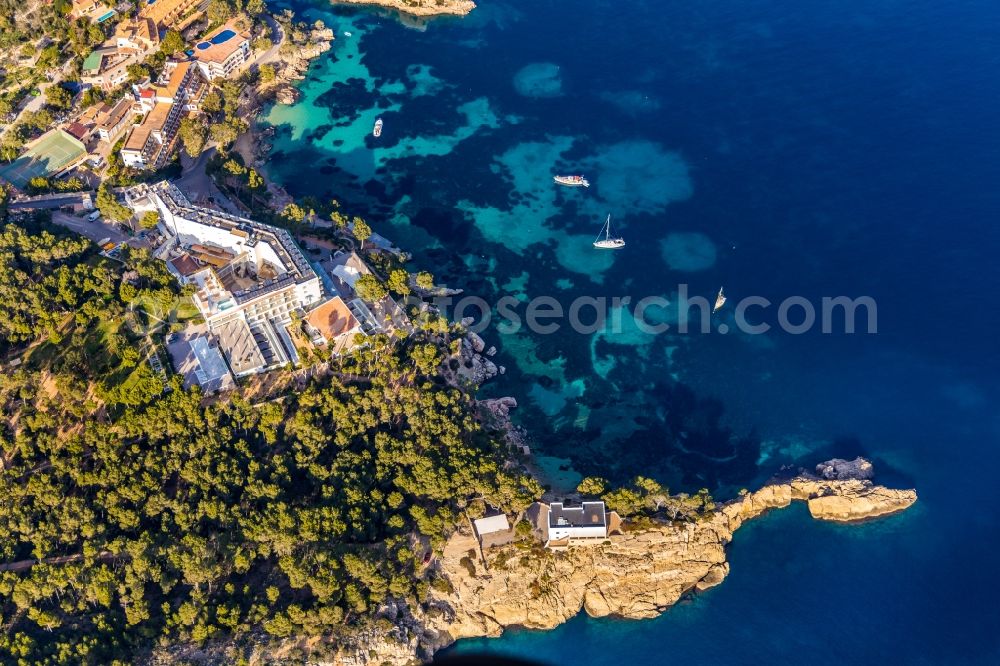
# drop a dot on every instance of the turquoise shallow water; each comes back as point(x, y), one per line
point(832, 149)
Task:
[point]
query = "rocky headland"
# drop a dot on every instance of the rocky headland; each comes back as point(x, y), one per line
point(420, 7)
point(638, 574)
point(301, 48)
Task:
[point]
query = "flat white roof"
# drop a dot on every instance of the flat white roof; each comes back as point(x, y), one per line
point(348, 274)
point(589, 514)
point(211, 365)
point(492, 524)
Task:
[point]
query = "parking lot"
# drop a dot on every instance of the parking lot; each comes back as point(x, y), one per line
point(95, 231)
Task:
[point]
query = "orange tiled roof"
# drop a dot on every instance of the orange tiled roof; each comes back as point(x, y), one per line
point(156, 119)
point(174, 83)
point(167, 11)
point(220, 52)
point(185, 265)
point(138, 29)
point(332, 319)
point(109, 116)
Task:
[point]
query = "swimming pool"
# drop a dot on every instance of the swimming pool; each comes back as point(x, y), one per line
point(223, 36)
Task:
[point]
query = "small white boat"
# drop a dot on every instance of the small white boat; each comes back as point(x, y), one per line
point(377, 130)
point(608, 243)
point(347, 34)
point(571, 181)
point(720, 300)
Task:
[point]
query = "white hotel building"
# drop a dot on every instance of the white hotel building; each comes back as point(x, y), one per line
point(249, 277)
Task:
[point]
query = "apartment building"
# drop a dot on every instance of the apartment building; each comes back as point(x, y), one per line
point(111, 121)
point(179, 93)
point(181, 83)
point(176, 14)
point(149, 144)
point(222, 51)
point(107, 68)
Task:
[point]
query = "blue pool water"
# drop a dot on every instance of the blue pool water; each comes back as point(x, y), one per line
point(778, 148)
point(223, 37)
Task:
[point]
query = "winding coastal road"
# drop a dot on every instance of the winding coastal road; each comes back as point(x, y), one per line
point(277, 39)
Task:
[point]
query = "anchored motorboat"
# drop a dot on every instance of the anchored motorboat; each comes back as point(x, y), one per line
point(572, 181)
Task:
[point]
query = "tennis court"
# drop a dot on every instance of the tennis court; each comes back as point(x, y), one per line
point(52, 153)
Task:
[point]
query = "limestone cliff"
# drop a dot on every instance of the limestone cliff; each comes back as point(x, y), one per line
point(851, 500)
point(635, 575)
point(421, 7)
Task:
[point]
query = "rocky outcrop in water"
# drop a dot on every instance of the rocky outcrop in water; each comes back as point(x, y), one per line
point(497, 415)
point(421, 7)
point(287, 94)
point(838, 468)
point(300, 48)
point(474, 368)
point(852, 500)
point(637, 575)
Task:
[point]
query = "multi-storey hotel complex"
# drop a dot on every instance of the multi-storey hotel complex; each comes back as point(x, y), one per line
point(249, 277)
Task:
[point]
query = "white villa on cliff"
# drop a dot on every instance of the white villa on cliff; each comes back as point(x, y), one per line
point(566, 525)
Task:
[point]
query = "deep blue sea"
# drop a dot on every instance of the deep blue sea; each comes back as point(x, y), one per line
point(778, 148)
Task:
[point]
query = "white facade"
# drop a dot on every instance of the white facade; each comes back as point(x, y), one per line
point(559, 533)
point(217, 70)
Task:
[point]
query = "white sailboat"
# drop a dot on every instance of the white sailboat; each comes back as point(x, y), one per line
point(720, 300)
point(608, 243)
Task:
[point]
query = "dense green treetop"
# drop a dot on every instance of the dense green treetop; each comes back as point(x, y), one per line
point(167, 518)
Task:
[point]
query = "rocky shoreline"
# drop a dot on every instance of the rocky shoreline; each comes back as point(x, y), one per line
point(305, 45)
point(422, 8)
point(637, 575)
point(313, 44)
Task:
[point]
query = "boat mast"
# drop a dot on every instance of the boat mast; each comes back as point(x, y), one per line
point(606, 229)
